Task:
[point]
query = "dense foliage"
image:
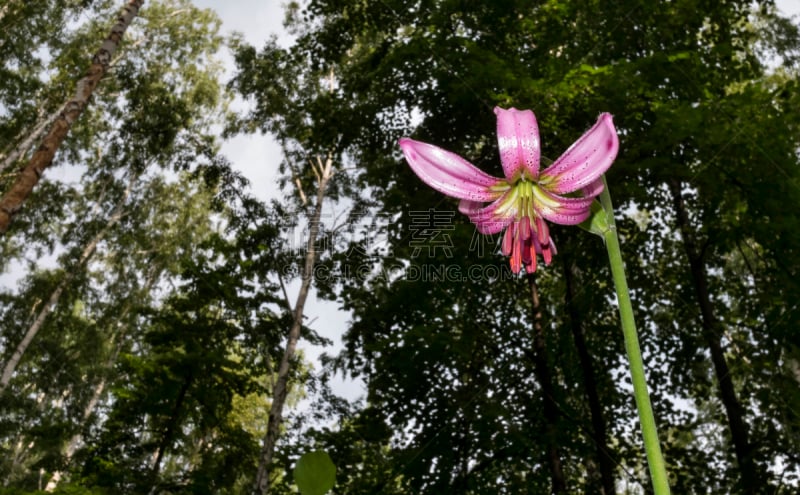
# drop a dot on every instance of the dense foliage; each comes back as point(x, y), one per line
point(155, 286)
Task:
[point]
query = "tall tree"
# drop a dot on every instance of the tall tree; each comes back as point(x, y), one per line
point(604, 458)
point(47, 307)
point(544, 376)
point(153, 113)
point(324, 173)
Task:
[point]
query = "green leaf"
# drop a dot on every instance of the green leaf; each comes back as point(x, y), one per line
point(597, 223)
point(315, 473)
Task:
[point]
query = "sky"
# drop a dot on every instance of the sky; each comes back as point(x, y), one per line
point(789, 7)
point(257, 20)
point(258, 156)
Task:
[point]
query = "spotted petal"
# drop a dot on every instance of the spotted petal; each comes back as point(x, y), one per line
point(494, 217)
point(594, 189)
point(559, 209)
point(585, 161)
point(468, 207)
point(448, 173)
point(518, 140)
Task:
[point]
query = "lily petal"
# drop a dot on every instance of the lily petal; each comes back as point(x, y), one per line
point(524, 228)
point(491, 225)
point(508, 240)
point(542, 232)
point(484, 218)
point(531, 267)
point(547, 254)
point(561, 210)
point(585, 161)
point(505, 207)
point(525, 248)
point(518, 141)
point(448, 173)
point(594, 189)
point(531, 248)
point(469, 207)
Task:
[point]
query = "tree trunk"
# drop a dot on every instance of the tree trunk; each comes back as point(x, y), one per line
point(99, 388)
point(25, 144)
point(29, 176)
point(13, 362)
point(599, 430)
point(751, 478)
point(169, 432)
point(324, 174)
point(75, 440)
point(543, 375)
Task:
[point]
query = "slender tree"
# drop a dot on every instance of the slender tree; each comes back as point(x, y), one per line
point(27, 142)
point(324, 172)
point(52, 301)
point(149, 114)
point(752, 479)
point(544, 376)
point(599, 424)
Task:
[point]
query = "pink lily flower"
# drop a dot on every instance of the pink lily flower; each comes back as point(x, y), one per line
point(522, 201)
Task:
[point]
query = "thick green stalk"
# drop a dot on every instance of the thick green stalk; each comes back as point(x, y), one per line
point(655, 460)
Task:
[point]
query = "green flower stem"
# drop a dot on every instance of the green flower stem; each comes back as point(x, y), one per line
point(655, 460)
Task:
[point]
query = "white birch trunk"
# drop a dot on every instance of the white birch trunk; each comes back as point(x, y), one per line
point(280, 390)
point(26, 144)
point(76, 440)
point(13, 362)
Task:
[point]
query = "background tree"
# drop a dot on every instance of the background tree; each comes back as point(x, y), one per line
point(164, 276)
